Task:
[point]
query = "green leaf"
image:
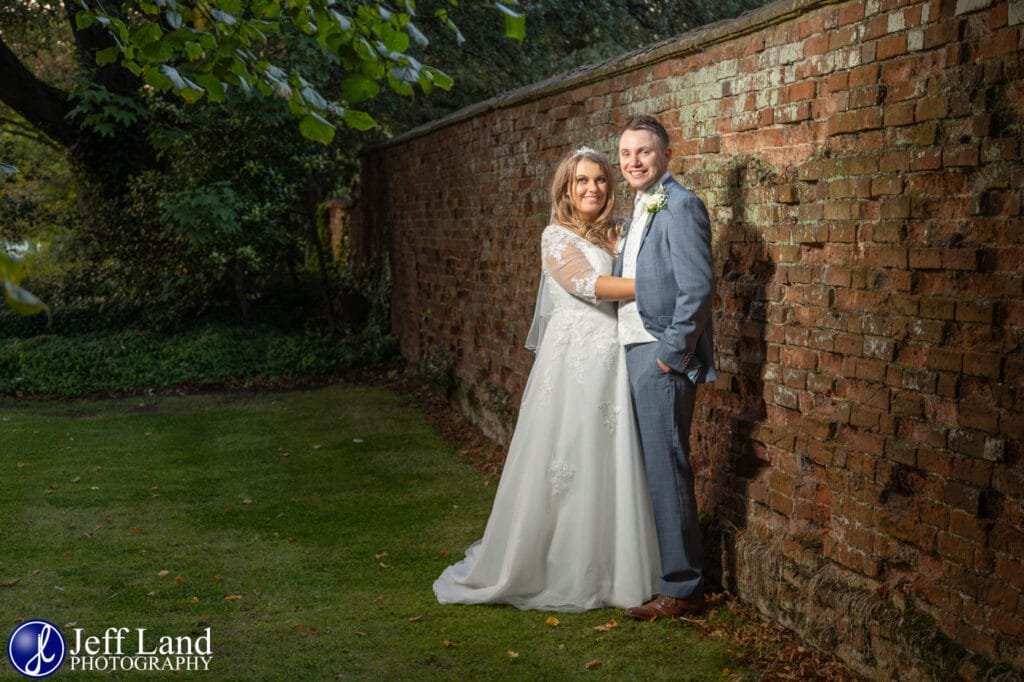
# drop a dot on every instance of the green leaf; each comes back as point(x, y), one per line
point(214, 86)
point(515, 22)
point(157, 79)
point(223, 17)
point(398, 86)
point(149, 32)
point(23, 302)
point(11, 268)
point(192, 93)
point(344, 23)
point(417, 35)
point(396, 40)
point(358, 88)
point(406, 73)
point(439, 77)
point(107, 55)
point(84, 20)
point(173, 76)
point(359, 120)
point(317, 128)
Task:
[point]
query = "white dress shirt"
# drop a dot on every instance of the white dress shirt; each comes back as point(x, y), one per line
point(631, 327)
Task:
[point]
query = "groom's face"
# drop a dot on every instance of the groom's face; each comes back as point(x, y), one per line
point(643, 158)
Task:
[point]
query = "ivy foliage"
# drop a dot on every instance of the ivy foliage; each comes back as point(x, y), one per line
point(205, 49)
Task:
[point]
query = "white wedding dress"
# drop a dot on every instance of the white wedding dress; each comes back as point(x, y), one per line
point(571, 528)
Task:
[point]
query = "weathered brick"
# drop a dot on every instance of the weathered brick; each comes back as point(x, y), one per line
point(961, 155)
point(869, 118)
point(862, 168)
point(892, 46)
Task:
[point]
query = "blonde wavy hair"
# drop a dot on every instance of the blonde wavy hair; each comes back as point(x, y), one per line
point(604, 230)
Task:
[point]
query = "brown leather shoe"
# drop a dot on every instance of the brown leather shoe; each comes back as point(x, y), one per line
point(666, 607)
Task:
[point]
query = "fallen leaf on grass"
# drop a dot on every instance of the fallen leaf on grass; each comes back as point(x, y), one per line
point(590, 665)
point(214, 578)
point(513, 655)
point(136, 530)
point(384, 565)
point(381, 554)
point(415, 619)
point(76, 479)
point(448, 644)
point(232, 597)
point(164, 573)
point(607, 626)
point(10, 582)
point(552, 621)
point(178, 580)
point(247, 501)
point(360, 633)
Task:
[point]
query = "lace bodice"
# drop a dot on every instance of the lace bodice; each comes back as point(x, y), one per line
point(573, 262)
point(570, 266)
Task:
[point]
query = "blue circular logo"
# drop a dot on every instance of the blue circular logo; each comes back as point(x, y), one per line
point(36, 648)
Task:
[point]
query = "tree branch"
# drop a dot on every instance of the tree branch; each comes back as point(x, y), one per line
point(20, 128)
point(39, 103)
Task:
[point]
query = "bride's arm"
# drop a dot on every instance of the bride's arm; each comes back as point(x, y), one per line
point(615, 288)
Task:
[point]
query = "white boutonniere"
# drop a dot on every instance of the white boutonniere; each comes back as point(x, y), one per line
point(655, 200)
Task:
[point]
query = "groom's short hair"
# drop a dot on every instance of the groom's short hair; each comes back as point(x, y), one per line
point(650, 124)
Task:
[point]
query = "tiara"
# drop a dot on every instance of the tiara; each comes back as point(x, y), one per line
point(585, 150)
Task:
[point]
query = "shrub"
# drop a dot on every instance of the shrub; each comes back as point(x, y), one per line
point(134, 361)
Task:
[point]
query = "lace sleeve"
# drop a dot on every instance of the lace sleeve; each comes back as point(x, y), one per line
point(567, 263)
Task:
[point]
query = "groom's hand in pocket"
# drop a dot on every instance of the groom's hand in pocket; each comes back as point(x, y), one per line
point(668, 370)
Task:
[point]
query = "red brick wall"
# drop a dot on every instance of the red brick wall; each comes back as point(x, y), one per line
point(861, 452)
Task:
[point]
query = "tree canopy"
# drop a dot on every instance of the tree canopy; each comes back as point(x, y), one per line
point(202, 136)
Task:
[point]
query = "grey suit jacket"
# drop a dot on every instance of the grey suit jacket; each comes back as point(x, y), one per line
point(675, 283)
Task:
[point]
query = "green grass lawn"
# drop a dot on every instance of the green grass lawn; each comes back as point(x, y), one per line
point(303, 528)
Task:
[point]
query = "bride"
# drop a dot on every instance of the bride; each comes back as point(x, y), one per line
point(571, 528)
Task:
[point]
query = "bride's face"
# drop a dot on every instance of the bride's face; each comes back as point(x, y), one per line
point(589, 189)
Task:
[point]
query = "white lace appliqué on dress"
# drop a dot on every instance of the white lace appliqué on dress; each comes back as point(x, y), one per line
point(560, 473)
point(571, 527)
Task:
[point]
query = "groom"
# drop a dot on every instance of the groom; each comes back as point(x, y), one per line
point(669, 351)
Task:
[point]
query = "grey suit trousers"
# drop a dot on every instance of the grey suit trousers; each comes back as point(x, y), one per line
point(664, 404)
